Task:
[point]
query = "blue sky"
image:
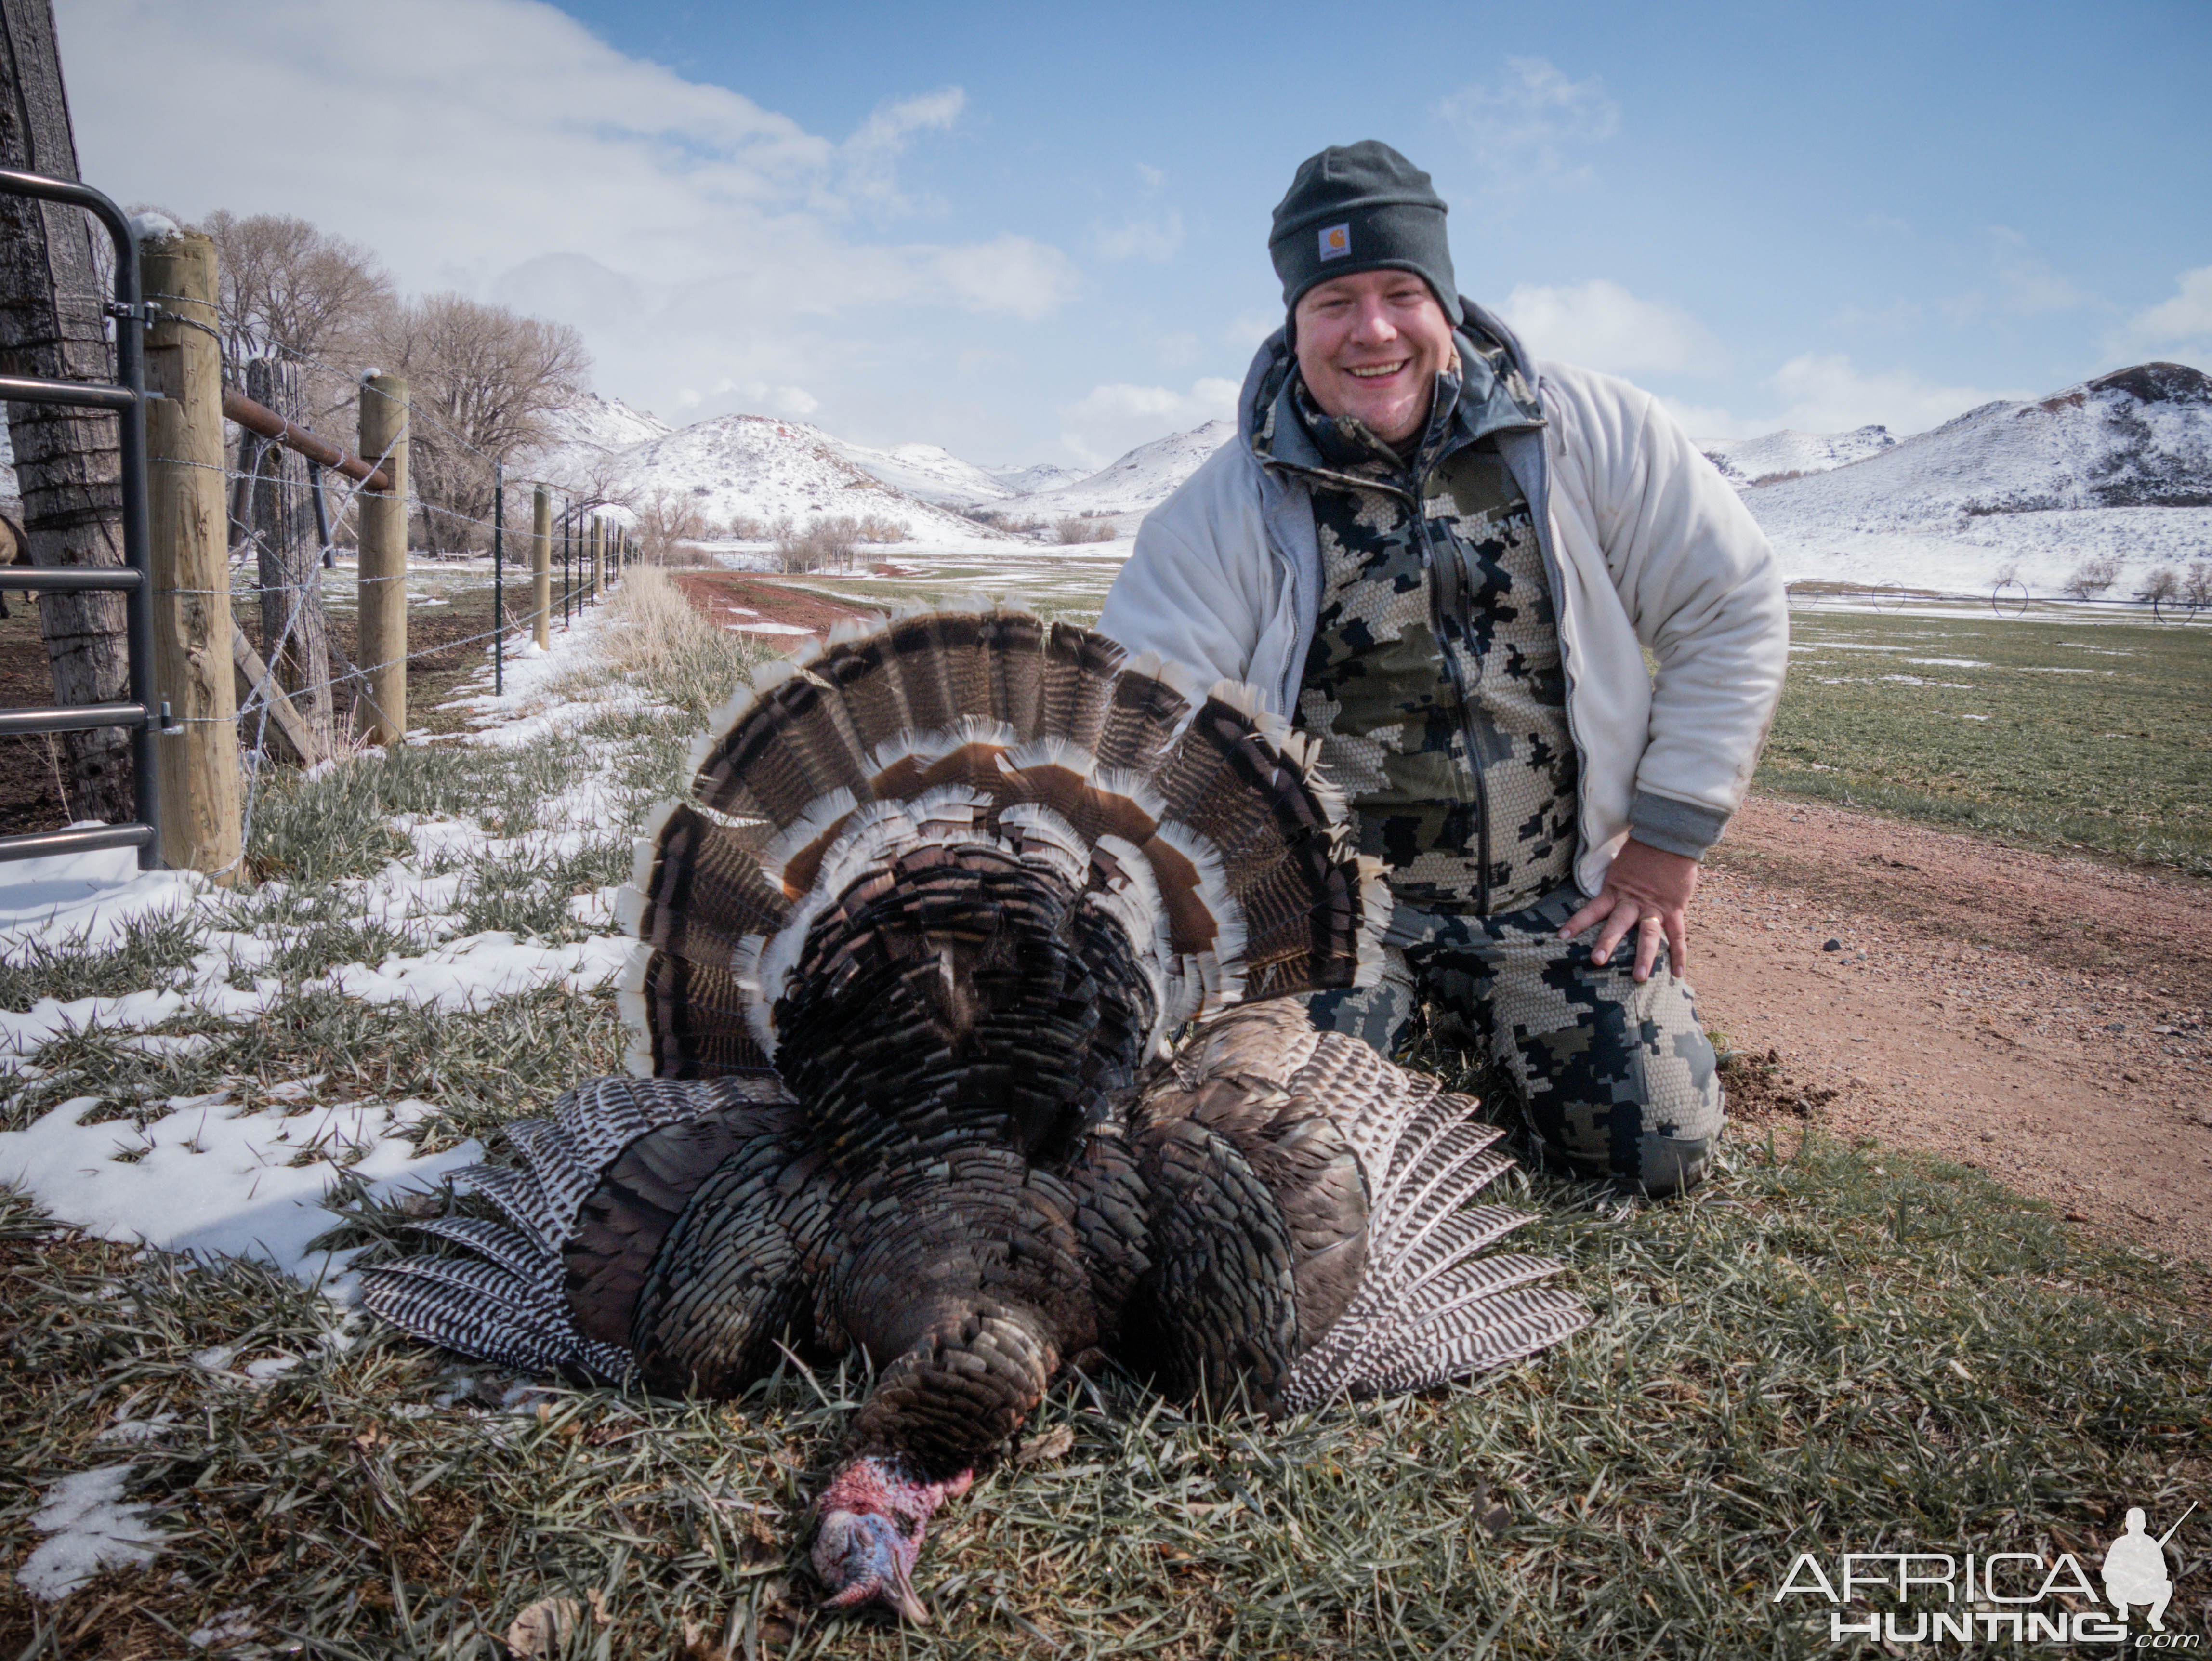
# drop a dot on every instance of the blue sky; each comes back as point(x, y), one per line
point(1034, 233)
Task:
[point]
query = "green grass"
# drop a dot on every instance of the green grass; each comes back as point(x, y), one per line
point(1838, 1349)
point(1829, 1349)
point(2099, 735)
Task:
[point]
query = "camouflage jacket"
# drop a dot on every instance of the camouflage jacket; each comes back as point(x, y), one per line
point(1644, 546)
point(1433, 680)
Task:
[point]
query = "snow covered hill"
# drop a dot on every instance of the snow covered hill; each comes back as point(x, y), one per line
point(1136, 484)
point(1744, 462)
point(587, 435)
point(1027, 480)
point(765, 468)
point(2119, 466)
point(928, 471)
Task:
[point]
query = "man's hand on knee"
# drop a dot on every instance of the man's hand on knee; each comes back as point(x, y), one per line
point(1646, 889)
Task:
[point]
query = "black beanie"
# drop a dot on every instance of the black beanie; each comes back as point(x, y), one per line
point(1361, 208)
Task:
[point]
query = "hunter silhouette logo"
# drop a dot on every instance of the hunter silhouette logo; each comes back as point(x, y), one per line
point(1335, 240)
point(2134, 1569)
point(1985, 1598)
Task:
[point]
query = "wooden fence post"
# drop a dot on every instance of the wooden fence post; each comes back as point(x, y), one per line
point(380, 581)
point(199, 801)
point(598, 558)
point(541, 565)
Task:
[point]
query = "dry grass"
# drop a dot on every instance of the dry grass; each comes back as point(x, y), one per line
point(1829, 1349)
point(1835, 1349)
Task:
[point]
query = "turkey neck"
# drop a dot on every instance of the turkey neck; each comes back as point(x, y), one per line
point(963, 1277)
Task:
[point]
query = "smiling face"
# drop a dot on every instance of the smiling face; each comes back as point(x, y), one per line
point(1370, 344)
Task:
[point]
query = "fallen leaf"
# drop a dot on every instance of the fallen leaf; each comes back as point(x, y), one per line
point(543, 1627)
point(1053, 1445)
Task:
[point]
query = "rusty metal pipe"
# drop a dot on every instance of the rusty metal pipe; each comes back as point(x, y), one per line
point(260, 418)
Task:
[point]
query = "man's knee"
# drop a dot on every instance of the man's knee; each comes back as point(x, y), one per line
point(1629, 1091)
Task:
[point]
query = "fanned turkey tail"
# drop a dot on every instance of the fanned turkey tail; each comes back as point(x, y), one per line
point(1199, 824)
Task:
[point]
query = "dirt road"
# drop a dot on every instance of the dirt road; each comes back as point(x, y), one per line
point(2046, 1019)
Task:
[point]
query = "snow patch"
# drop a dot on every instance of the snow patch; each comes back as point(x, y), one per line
point(88, 1528)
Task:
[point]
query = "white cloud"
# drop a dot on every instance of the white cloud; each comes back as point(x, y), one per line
point(1249, 329)
point(498, 147)
point(1155, 238)
point(1707, 421)
point(2182, 324)
point(870, 156)
point(1009, 273)
point(1826, 392)
point(1110, 420)
point(1523, 128)
point(2030, 286)
point(1602, 326)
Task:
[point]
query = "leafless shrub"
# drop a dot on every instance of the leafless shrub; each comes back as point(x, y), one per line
point(2092, 576)
point(824, 544)
point(2196, 586)
point(1085, 528)
point(744, 527)
point(878, 529)
point(2162, 588)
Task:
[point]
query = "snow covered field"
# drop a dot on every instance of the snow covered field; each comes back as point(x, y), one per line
point(123, 1111)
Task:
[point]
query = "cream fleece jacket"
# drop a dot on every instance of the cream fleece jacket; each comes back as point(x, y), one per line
point(1646, 547)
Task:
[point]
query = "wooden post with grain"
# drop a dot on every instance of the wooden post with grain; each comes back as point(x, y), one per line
point(541, 565)
point(598, 557)
point(192, 674)
point(380, 585)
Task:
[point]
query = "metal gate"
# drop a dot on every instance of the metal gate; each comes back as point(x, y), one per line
point(126, 396)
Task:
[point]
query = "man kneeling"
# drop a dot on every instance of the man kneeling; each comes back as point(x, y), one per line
point(1445, 561)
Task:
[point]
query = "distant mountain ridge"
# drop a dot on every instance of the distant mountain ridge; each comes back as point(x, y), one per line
point(1135, 482)
point(2118, 466)
point(1744, 462)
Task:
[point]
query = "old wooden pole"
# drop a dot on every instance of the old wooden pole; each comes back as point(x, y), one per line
point(599, 548)
point(381, 583)
point(541, 565)
point(192, 674)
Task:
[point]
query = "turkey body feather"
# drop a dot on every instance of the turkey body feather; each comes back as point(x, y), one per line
point(910, 972)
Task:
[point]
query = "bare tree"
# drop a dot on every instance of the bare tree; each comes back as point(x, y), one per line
point(290, 289)
point(52, 324)
point(2092, 576)
point(483, 380)
point(663, 521)
point(2196, 586)
point(2162, 588)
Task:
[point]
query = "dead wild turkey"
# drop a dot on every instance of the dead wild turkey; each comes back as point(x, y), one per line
point(909, 979)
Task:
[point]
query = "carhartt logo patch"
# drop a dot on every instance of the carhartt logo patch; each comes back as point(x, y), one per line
point(1335, 241)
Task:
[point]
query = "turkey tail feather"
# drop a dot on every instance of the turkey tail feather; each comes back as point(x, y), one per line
point(507, 1301)
point(1252, 870)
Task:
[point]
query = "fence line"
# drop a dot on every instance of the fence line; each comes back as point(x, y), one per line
point(197, 549)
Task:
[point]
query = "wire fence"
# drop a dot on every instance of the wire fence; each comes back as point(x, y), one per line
point(287, 525)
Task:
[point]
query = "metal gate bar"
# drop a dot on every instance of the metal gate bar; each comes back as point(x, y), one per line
point(126, 396)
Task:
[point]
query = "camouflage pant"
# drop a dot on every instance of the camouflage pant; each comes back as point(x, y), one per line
point(1617, 1078)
